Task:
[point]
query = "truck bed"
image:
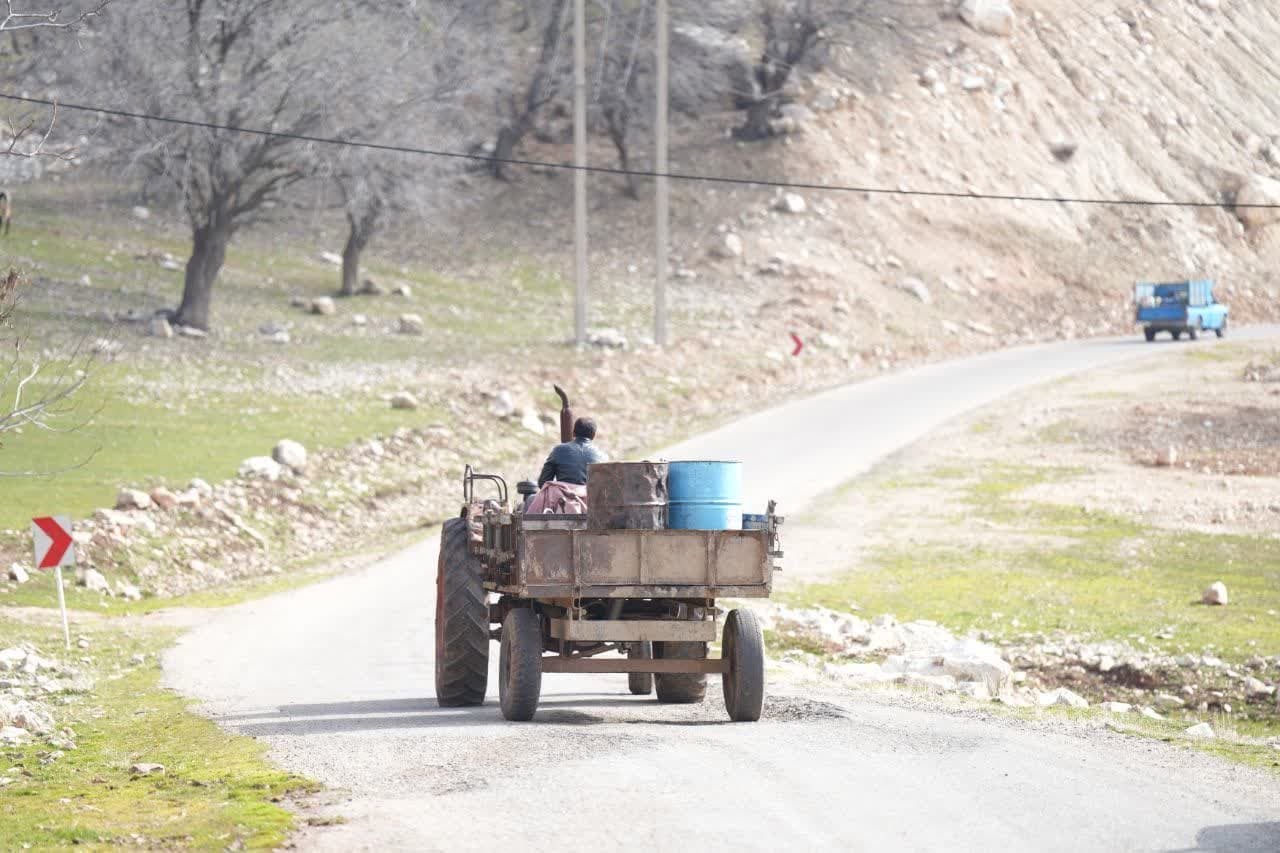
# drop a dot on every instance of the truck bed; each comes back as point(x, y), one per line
point(558, 557)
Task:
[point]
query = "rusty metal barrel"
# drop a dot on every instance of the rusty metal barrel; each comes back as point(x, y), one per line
point(627, 496)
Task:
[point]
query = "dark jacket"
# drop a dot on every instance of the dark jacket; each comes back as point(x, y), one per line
point(568, 462)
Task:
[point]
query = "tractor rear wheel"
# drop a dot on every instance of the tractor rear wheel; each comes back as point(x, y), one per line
point(462, 621)
point(1177, 334)
point(743, 647)
point(1193, 332)
point(520, 665)
point(684, 687)
point(1221, 331)
point(640, 683)
point(1149, 334)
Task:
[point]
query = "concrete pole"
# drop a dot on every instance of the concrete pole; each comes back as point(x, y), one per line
point(660, 166)
point(580, 175)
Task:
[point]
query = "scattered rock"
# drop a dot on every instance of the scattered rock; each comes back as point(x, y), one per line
point(12, 658)
point(1259, 190)
point(994, 17)
point(411, 324)
point(790, 203)
point(13, 735)
point(1216, 594)
point(133, 499)
point(503, 406)
point(1200, 731)
point(324, 306)
point(1063, 151)
point(141, 213)
point(145, 769)
point(532, 422)
point(128, 591)
point(261, 468)
point(192, 332)
point(200, 487)
point(331, 258)
point(1117, 707)
point(403, 400)
point(918, 289)
point(370, 287)
point(608, 339)
point(1167, 457)
point(291, 454)
point(18, 573)
point(1255, 687)
point(163, 498)
point(92, 580)
point(730, 246)
point(402, 290)
point(160, 327)
point(1151, 713)
point(1062, 696)
point(1169, 702)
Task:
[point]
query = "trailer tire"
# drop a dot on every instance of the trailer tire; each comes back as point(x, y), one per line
point(520, 665)
point(1221, 331)
point(1193, 332)
point(742, 646)
point(1149, 334)
point(640, 683)
point(462, 621)
point(680, 688)
point(1177, 334)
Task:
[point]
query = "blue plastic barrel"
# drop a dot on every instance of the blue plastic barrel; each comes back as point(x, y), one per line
point(704, 495)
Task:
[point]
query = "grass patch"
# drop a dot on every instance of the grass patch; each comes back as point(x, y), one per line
point(1095, 575)
point(217, 791)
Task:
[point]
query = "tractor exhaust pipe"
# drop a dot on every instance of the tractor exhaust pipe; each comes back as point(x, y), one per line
point(566, 415)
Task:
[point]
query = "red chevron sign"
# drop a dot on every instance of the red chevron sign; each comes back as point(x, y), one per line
point(52, 536)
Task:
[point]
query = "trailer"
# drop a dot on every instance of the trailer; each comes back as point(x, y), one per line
point(1184, 307)
point(561, 597)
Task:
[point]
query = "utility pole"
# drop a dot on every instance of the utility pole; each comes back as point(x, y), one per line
point(579, 173)
point(660, 163)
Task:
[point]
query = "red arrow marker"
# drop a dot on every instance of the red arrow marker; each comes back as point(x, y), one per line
point(59, 539)
point(799, 343)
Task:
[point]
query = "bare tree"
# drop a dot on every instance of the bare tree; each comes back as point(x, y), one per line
point(790, 30)
point(239, 63)
point(12, 20)
point(522, 104)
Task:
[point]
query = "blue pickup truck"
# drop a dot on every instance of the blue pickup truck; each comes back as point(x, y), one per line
point(1177, 307)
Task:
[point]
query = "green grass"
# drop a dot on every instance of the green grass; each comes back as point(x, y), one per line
point(1092, 574)
point(218, 792)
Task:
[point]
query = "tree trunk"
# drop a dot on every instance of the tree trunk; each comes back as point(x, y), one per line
point(208, 252)
point(756, 127)
point(505, 148)
point(618, 135)
point(357, 238)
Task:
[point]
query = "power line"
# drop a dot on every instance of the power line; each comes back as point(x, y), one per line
point(609, 170)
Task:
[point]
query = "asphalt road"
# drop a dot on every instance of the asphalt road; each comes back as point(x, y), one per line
point(337, 679)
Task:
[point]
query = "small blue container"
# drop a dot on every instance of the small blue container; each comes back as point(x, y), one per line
point(704, 495)
point(754, 522)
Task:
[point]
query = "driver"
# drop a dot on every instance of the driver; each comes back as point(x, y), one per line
point(562, 485)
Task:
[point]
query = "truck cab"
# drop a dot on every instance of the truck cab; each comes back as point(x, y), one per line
point(1178, 307)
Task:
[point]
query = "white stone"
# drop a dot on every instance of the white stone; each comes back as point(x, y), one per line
point(1256, 687)
point(1061, 696)
point(12, 658)
point(18, 573)
point(324, 306)
point(503, 405)
point(994, 17)
point(142, 213)
point(200, 487)
point(1117, 707)
point(128, 591)
point(1259, 190)
point(411, 324)
point(261, 468)
point(974, 690)
point(92, 580)
point(730, 246)
point(530, 421)
point(13, 735)
point(147, 769)
point(1169, 702)
point(290, 453)
point(192, 332)
point(1216, 594)
point(332, 258)
point(160, 327)
point(1167, 457)
point(133, 499)
point(1200, 731)
point(403, 400)
point(790, 203)
point(1151, 713)
point(918, 289)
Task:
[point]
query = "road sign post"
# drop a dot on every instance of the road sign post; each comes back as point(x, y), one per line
point(54, 548)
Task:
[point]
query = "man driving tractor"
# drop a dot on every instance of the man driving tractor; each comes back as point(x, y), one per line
point(562, 485)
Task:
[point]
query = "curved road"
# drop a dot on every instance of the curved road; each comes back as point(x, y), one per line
point(337, 679)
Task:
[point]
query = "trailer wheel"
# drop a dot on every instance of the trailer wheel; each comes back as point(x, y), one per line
point(520, 665)
point(462, 622)
point(1221, 331)
point(1149, 334)
point(743, 647)
point(640, 683)
point(1177, 334)
point(1193, 332)
point(680, 688)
